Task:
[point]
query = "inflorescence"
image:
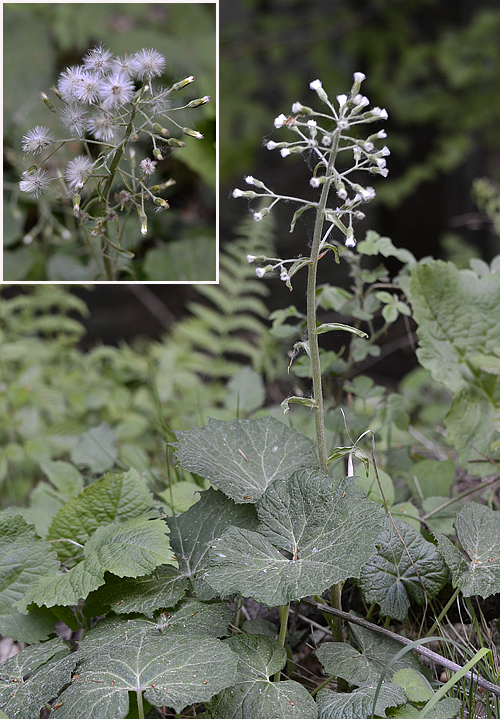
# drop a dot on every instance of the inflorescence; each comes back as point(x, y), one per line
point(103, 107)
point(323, 135)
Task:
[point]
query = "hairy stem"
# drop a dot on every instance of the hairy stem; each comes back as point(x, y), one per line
point(319, 413)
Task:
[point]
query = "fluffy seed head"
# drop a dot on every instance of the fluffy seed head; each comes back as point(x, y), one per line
point(147, 63)
point(35, 140)
point(77, 171)
point(115, 90)
point(35, 183)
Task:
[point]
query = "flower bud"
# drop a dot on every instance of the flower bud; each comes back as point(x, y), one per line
point(192, 133)
point(182, 83)
point(47, 101)
point(157, 153)
point(199, 101)
point(318, 87)
point(174, 142)
point(144, 224)
point(162, 130)
point(76, 205)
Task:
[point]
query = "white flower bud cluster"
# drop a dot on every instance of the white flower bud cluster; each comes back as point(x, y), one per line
point(323, 136)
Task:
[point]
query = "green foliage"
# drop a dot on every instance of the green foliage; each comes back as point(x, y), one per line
point(458, 317)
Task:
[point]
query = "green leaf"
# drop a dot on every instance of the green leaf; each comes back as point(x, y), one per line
point(191, 259)
point(96, 448)
point(311, 517)
point(116, 497)
point(64, 476)
point(358, 704)
point(181, 495)
point(390, 578)
point(478, 531)
point(128, 549)
point(298, 213)
point(304, 401)
point(335, 326)
point(416, 686)
point(144, 595)
point(24, 557)
point(191, 533)
point(243, 457)
point(33, 677)
point(253, 694)
point(366, 665)
point(458, 316)
point(434, 477)
point(170, 669)
point(371, 488)
point(245, 391)
point(374, 244)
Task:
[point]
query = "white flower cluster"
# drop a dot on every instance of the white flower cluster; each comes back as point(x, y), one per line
point(323, 135)
point(99, 97)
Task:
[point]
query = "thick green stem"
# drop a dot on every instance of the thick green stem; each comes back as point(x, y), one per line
point(140, 704)
point(284, 611)
point(311, 309)
point(319, 413)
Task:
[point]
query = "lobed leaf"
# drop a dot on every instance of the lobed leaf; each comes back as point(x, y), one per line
point(359, 704)
point(24, 558)
point(171, 670)
point(243, 457)
point(192, 532)
point(253, 694)
point(116, 497)
point(365, 666)
point(299, 548)
point(129, 549)
point(33, 677)
point(391, 579)
point(478, 531)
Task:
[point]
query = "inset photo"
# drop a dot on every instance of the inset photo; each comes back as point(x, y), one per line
point(110, 142)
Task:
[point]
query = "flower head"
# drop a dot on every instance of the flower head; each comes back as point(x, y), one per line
point(147, 166)
point(98, 60)
point(146, 64)
point(35, 140)
point(102, 127)
point(75, 118)
point(115, 90)
point(78, 171)
point(69, 81)
point(87, 89)
point(35, 183)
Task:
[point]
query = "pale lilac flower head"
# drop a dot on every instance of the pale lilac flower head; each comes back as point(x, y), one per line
point(98, 60)
point(147, 166)
point(115, 90)
point(103, 127)
point(69, 81)
point(74, 117)
point(34, 141)
point(146, 64)
point(87, 89)
point(77, 172)
point(35, 183)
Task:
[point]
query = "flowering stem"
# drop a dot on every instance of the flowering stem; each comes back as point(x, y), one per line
point(311, 310)
point(319, 414)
